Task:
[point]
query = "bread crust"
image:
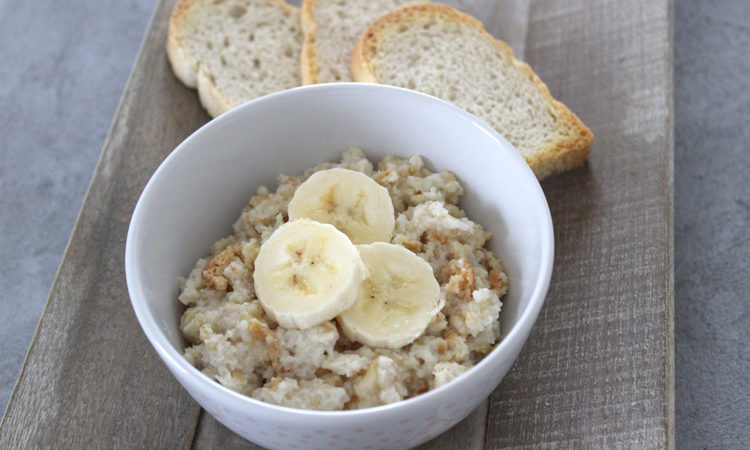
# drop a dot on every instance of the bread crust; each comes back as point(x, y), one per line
point(184, 66)
point(188, 69)
point(309, 66)
point(568, 153)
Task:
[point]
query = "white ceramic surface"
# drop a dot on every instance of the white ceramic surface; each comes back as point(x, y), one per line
point(199, 190)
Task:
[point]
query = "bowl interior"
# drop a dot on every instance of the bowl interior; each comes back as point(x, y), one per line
point(198, 192)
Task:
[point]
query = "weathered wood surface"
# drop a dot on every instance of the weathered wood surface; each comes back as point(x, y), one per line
point(597, 369)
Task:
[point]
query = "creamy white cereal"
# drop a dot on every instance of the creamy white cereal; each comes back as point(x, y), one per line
point(447, 371)
point(231, 339)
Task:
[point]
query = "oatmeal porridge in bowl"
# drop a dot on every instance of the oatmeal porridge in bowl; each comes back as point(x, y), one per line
point(412, 315)
point(422, 310)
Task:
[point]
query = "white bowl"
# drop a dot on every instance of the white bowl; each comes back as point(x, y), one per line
point(199, 190)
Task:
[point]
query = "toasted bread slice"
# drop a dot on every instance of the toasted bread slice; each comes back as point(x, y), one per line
point(435, 49)
point(234, 51)
point(331, 29)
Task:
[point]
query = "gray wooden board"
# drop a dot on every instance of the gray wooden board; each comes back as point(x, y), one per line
point(598, 367)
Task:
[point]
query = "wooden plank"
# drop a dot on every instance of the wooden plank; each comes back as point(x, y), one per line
point(90, 379)
point(597, 370)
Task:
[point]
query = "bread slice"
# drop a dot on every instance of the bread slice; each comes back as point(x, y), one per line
point(234, 51)
point(331, 29)
point(445, 53)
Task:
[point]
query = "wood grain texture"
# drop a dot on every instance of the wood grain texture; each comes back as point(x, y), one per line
point(597, 369)
point(90, 379)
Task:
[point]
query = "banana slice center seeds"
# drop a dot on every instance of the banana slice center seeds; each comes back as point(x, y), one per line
point(351, 201)
point(306, 273)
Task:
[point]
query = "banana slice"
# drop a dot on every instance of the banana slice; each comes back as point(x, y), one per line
point(396, 301)
point(351, 201)
point(306, 273)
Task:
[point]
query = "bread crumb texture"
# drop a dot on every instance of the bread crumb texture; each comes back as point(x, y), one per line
point(231, 339)
point(437, 50)
point(234, 51)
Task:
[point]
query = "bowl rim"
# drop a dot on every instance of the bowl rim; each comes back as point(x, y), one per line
point(176, 362)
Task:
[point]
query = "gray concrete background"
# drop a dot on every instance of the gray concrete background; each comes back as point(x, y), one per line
point(712, 223)
point(62, 76)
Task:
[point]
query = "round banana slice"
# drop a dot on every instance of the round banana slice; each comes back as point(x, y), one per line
point(396, 301)
point(306, 273)
point(349, 200)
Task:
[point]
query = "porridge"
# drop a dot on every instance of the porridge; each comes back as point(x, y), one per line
point(365, 340)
